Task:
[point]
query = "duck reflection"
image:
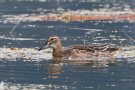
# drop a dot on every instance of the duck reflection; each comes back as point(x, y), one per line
point(55, 69)
point(57, 60)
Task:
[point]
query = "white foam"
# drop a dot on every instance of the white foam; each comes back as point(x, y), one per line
point(24, 54)
point(126, 52)
point(20, 39)
point(33, 54)
point(14, 86)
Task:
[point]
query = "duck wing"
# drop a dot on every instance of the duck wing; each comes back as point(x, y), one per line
point(76, 51)
point(82, 47)
point(93, 47)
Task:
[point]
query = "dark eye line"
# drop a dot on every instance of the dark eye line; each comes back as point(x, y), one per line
point(52, 38)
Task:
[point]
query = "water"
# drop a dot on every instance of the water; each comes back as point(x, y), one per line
point(35, 71)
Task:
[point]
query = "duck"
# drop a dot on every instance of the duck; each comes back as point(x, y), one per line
point(77, 51)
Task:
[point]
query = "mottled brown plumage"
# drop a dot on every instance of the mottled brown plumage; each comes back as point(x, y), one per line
point(77, 51)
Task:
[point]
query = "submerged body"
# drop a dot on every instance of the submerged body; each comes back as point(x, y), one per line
point(77, 52)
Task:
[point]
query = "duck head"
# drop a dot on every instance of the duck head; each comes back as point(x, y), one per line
point(53, 42)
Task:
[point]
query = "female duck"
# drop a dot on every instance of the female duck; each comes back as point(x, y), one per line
point(76, 51)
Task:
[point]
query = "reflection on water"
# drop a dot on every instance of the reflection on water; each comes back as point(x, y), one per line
point(54, 70)
point(45, 75)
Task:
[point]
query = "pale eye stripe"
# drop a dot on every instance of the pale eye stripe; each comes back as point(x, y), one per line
point(53, 38)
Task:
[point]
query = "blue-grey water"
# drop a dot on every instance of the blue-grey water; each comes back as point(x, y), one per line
point(42, 74)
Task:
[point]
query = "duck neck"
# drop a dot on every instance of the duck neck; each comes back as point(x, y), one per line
point(58, 52)
point(57, 55)
point(57, 60)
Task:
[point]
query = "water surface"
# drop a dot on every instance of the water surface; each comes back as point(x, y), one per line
point(39, 73)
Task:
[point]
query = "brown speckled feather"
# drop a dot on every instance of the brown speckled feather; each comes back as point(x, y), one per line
point(87, 50)
point(78, 51)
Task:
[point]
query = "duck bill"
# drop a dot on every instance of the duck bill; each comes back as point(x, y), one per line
point(44, 46)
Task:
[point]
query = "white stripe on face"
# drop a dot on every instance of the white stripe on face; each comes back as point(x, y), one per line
point(52, 38)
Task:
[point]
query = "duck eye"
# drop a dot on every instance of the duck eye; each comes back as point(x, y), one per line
point(51, 39)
